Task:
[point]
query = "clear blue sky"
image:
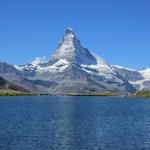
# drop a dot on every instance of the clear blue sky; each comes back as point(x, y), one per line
point(117, 30)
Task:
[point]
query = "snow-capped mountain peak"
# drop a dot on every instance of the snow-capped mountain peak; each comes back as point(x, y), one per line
point(74, 68)
point(69, 38)
point(70, 48)
point(70, 51)
point(69, 30)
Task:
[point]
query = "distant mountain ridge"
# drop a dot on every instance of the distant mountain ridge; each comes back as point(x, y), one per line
point(73, 69)
point(140, 79)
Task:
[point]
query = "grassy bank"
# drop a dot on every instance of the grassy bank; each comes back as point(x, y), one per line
point(145, 94)
point(93, 94)
point(13, 93)
point(18, 93)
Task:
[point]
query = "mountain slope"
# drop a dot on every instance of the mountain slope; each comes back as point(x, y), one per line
point(129, 74)
point(6, 85)
point(139, 79)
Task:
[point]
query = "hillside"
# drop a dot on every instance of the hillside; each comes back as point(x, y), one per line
point(8, 88)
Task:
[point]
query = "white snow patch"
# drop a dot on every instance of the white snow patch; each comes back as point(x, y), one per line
point(120, 67)
point(20, 68)
point(39, 60)
point(145, 73)
point(101, 67)
point(59, 66)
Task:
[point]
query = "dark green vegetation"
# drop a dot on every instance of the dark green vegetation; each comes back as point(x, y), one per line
point(145, 94)
point(14, 93)
point(93, 94)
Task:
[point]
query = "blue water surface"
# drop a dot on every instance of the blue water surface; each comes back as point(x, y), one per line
point(74, 123)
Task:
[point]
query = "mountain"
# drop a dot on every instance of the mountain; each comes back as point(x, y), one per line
point(73, 69)
point(139, 79)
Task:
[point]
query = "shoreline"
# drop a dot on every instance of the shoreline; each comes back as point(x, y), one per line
point(142, 94)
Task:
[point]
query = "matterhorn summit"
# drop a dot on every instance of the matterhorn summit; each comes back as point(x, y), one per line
point(70, 48)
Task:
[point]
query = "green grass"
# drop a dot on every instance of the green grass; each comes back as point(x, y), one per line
point(145, 94)
point(93, 94)
point(13, 93)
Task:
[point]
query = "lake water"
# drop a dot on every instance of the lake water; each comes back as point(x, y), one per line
point(74, 123)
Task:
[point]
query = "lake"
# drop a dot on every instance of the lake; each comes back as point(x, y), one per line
point(74, 123)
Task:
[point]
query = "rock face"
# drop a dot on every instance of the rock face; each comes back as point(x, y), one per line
point(129, 74)
point(74, 69)
point(143, 84)
point(139, 79)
